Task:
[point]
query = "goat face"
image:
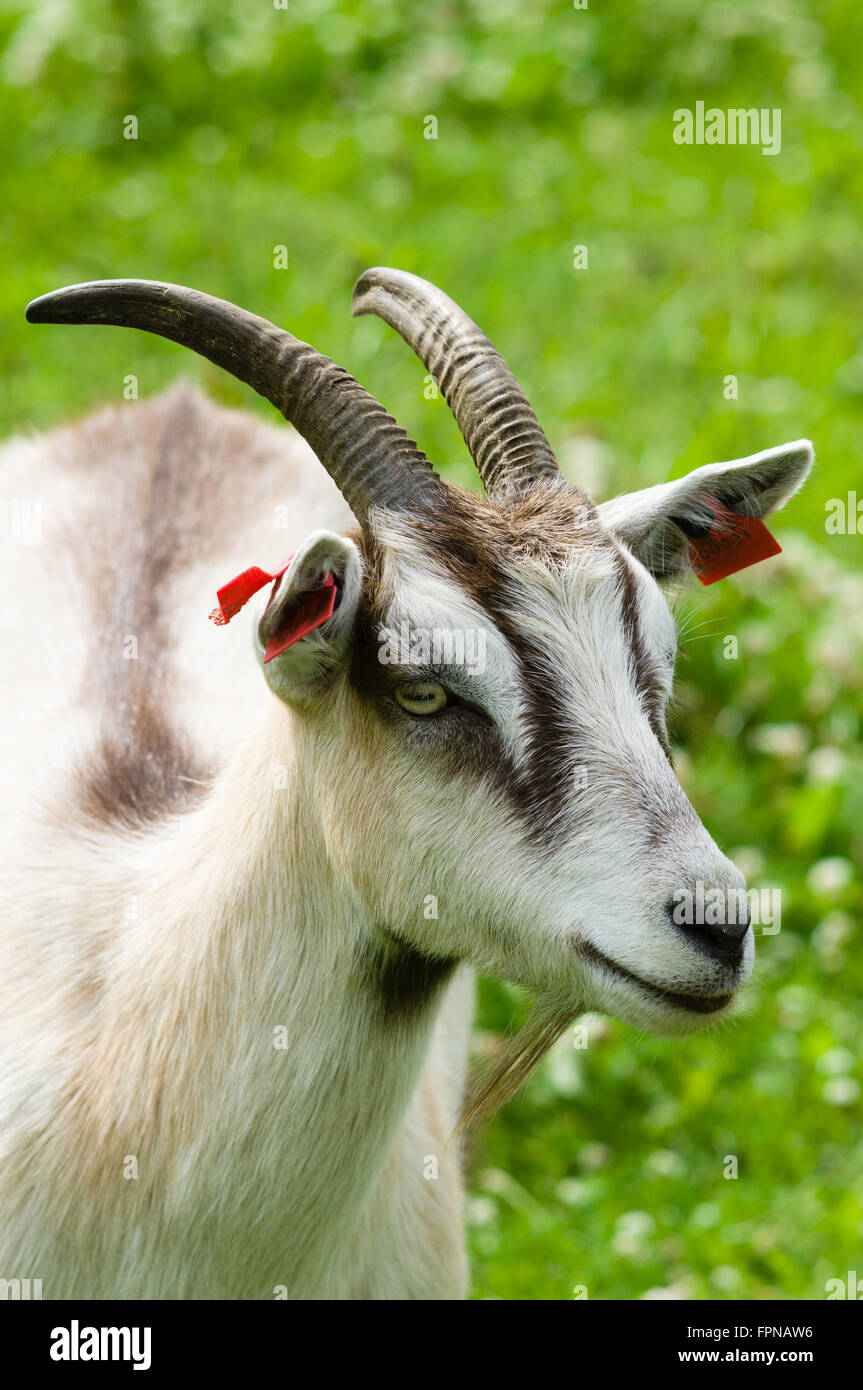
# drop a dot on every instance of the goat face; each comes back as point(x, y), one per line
point(519, 810)
point(485, 717)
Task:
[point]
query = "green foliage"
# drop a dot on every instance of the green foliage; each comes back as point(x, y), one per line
point(260, 127)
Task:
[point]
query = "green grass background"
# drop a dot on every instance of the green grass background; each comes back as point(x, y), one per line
point(303, 127)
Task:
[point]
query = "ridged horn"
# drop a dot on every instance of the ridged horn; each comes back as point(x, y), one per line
point(496, 420)
point(369, 457)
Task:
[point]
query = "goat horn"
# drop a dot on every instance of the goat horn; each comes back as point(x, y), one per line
point(369, 457)
point(496, 419)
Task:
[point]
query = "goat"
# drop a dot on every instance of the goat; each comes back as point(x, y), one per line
point(242, 914)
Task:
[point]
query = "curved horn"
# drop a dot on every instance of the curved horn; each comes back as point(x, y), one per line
point(369, 457)
point(496, 419)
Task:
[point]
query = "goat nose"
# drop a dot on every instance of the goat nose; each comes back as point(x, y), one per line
point(722, 941)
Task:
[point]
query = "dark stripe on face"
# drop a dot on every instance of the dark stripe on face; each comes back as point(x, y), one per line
point(646, 682)
point(477, 546)
point(542, 785)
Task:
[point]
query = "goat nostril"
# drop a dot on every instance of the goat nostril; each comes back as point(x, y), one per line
point(722, 940)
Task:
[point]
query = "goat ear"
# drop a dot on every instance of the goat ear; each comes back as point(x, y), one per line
point(659, 523)
point(304, 631)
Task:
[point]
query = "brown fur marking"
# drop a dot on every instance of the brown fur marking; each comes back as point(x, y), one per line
point(175, 475)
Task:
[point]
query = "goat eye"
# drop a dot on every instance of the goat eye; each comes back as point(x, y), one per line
point(423, 697)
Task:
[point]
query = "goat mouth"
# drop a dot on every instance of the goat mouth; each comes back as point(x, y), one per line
point(693, 1003)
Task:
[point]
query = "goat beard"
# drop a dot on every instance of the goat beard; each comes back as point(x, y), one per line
point(492, 1086)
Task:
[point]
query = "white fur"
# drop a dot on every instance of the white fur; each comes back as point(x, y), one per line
point(145, 974)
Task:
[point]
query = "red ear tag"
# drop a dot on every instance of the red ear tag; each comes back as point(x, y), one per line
point(303, 616)
point(236, 593)
point(733, 543)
